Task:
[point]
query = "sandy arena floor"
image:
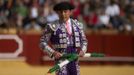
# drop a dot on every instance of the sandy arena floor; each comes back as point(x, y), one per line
point(22, 68)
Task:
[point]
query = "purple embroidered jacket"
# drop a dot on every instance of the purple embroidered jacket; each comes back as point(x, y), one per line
point(56, 33)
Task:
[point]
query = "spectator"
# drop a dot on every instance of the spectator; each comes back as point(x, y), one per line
point(104, 19)
point(17, 13)
point(130, 14)
point(32, 25)
point(34, 10)
point(52, 16)
point(3, 15)
point(76, 11)
point(21, 12)
point(113, 10)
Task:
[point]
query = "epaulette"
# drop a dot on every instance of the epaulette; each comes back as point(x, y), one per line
point(79, 24)
point(53, 26)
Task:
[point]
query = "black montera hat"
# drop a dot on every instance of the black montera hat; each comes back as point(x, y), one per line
point(63, 6)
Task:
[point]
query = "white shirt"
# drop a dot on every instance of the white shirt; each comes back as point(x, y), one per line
point(113, 10)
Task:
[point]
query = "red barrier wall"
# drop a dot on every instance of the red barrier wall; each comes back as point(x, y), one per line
point(112, 45)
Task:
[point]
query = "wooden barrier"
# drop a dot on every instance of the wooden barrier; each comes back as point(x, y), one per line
point(111, 45)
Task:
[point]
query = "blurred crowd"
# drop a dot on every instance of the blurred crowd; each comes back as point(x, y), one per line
point(94, 14)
